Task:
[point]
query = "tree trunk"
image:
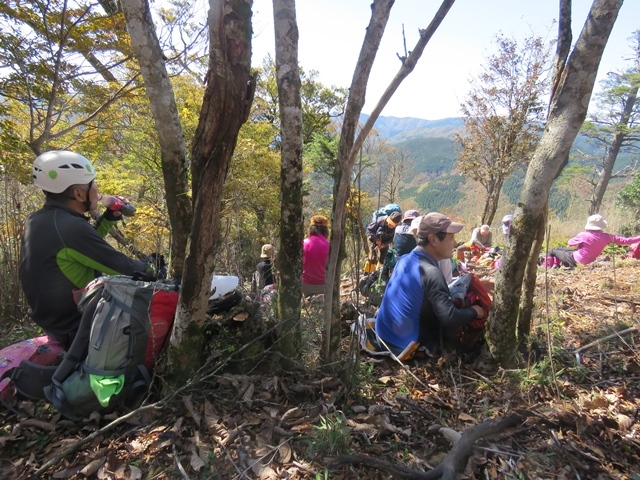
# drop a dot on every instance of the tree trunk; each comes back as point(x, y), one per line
point(291, 220)
point(567, 113)
point(491, 203)
point(525, 311)
point(165, 115)
point(225, 107)
point(563, 48)
point(349, 149)
point(379, 16)
point(612, 153)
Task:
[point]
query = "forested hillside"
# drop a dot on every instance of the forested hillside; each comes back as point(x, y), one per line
point(431, 182)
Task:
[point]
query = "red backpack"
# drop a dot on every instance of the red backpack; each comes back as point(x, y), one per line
point(125, 325)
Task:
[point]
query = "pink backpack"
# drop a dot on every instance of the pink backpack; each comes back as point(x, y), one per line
point(551, 262)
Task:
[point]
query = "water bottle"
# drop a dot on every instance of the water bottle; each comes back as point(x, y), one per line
point(117, 204)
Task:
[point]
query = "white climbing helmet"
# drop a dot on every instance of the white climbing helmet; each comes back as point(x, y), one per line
point(57, 170)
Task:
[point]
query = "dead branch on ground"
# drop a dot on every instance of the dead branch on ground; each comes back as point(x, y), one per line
point(454, 462)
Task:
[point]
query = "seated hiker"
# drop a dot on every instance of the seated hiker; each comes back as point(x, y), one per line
point(263, 276)
point(588, 244)
point(481, 236)
point(60, 250)
point(380, 235)
point(506, 227)
point(481, 239)
point(447, 265)
point(404, 240)
point(417, 304)
point(315, 252)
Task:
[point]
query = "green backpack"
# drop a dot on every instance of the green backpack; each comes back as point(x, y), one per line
point(125, 325)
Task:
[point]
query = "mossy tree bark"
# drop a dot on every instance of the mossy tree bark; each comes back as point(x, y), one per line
point(567, 112)
point(225, 107)
point(289, 260)
point(167, 122)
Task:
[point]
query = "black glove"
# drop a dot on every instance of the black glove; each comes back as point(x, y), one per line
point(156, 260)
point(112, 215)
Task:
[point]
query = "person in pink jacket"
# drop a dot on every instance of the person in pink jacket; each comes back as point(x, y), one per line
point(314, 256)
point(588, 245)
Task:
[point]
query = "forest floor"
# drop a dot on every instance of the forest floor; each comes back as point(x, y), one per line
point(570, 416)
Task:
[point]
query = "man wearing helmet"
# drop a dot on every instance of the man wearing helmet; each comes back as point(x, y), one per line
point(60, 250)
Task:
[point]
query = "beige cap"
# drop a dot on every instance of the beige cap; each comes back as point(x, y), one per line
point(268, 251)
point(435, 222)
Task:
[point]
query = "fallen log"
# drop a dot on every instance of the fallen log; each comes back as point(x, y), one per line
point(616, 298)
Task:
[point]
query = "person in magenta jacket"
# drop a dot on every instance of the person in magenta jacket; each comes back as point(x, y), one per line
point(314, 256)
point(588, 245)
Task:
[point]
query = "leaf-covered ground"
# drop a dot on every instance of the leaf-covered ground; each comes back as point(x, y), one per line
point(578, 413)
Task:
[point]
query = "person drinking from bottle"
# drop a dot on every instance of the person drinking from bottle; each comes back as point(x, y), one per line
point(60, 250)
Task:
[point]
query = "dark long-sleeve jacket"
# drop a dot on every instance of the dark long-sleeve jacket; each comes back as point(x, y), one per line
point(380, 230)
point(403, 239)
point(62, 252)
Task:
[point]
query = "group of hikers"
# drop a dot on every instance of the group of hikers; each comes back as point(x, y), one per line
point(418, 314)
point(61, 252)
point(315, 252)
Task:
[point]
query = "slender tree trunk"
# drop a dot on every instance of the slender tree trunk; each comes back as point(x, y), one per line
point(165, 115)
point(379, 16)
point(525, 311)
point(491, 203)
point(291, 220)
point(612, 153)
point(563, 48)
point(227, 100)
point(349, 149)
point(567, 113)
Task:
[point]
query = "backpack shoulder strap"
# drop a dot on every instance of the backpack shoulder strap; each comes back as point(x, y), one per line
point(78, 349)
point(30, 379)
point(114, 304)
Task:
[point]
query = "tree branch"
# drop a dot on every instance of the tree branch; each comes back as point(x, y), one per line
point(453, 463)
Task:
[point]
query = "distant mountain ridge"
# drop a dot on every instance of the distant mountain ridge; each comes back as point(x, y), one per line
point(432, 181)
point(395, 130)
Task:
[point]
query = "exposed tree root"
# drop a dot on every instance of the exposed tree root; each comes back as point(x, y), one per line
point(454, 462)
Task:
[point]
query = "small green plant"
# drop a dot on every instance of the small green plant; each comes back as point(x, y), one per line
point(324, 475)
point(331, 436)
point(365, 373)
point(614, 249)
point(540, 374)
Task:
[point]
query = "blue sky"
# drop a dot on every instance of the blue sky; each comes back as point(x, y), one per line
point(331, 34)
